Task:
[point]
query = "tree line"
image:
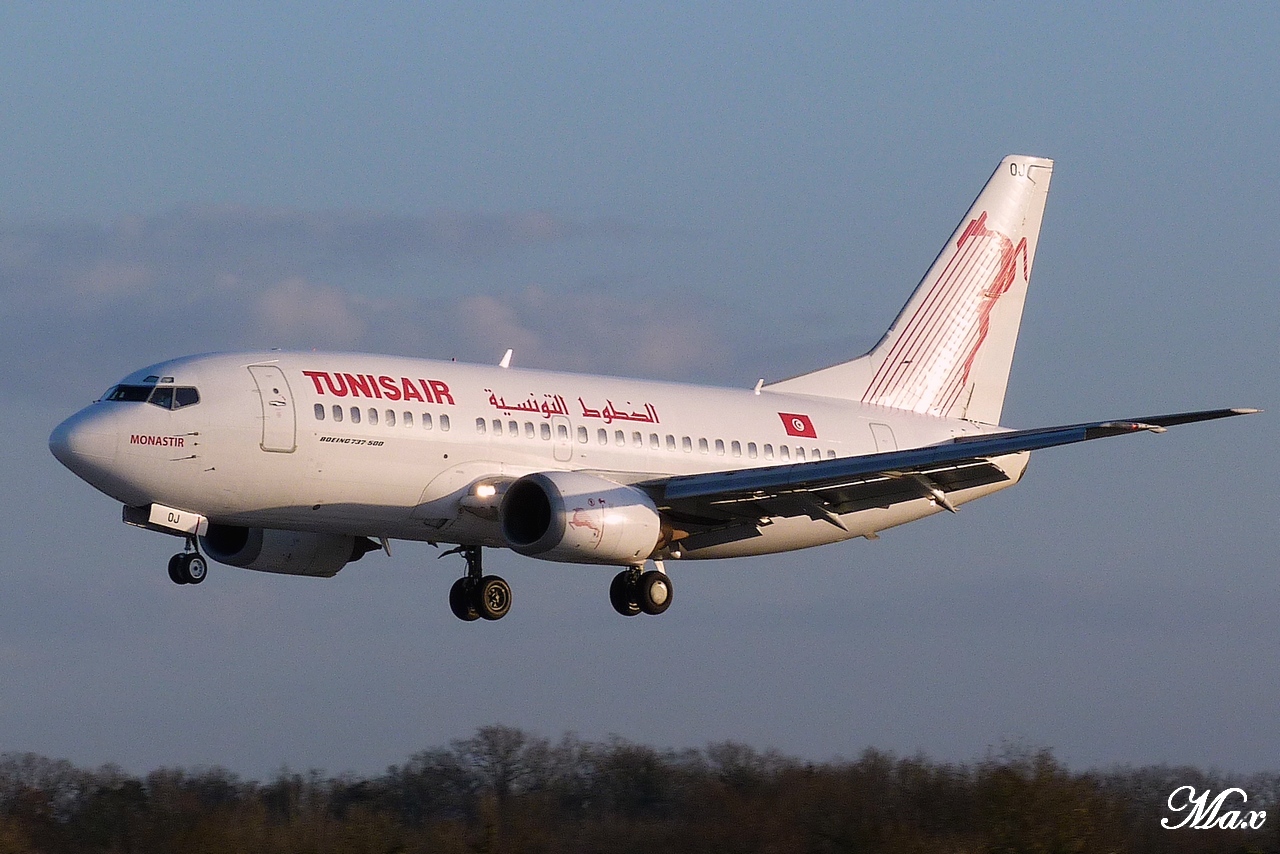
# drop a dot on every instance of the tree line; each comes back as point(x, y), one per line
point(506, 790)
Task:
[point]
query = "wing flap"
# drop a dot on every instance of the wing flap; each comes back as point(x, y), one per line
point(845, 485)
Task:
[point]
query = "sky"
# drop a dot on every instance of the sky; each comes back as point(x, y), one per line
point(714, 193)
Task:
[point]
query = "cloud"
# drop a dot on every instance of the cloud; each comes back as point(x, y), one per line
point(112, 278)
point(593, 329)
point(299, 313)
point(195, 247)
point(109, 298)
point(486, 318)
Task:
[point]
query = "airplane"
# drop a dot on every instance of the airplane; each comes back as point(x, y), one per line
point(302, 462)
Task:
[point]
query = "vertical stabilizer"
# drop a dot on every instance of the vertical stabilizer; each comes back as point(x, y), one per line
point(950, 349)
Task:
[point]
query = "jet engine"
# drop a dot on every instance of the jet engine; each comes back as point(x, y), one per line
point(285, 552)
point(579, 518)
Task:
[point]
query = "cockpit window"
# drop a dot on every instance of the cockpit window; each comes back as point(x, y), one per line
point(165, 397)
point(132, 393)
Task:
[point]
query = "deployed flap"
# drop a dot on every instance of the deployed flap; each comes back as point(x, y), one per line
point(885, 478)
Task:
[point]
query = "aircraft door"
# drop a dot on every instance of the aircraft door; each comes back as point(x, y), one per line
point(279, 425)
point(562, 438)
point(883, 436)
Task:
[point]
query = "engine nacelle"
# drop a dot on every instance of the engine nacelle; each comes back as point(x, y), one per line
point(579, 518)
point(285, 552)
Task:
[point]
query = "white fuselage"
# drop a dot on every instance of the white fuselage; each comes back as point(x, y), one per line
point(390, 447)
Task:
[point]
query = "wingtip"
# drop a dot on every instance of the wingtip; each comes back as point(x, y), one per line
point(1241, 411)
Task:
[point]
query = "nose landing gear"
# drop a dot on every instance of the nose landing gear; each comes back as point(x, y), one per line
point(188, 567)
point(475, 594)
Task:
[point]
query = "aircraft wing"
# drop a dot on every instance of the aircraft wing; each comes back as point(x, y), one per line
point(824, 489)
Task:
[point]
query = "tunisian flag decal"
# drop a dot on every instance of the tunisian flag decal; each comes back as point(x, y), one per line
point(798, 425)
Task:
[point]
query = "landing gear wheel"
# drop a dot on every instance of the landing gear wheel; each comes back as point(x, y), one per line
point(653, 593)
point(492, 598)
point(622, 593)
point(475, 594)
point(462, 600)
point(194, 568)
point(187, 568)
point(175, 574)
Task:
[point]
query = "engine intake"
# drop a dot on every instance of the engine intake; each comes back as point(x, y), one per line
point(579, 518)
point(285, 552)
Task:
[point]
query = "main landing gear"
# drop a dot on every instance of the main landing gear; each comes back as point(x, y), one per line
point(188, 567)
point(634, 591)
point(475, 594)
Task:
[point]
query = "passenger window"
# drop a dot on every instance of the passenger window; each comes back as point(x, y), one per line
point(582, 435)
point(337, 413)
point(497, 427)
point(163, 398)
point(480, 426)
point(719, 447)
point(408, 419)
point(373, 415)
point(426, 421)
point(687, 444)
point(817, 455)
point(391, 418)
point(654, 443)
point(355, 415)
point(602, 436)
point(768, 451)
point(671, 442)
point(751, 450)
point(799, 453)
point(513, 429)
point(637, 439)
point(185, 396)
point(702, 446)
point(528, 429)
point(444, 423)
point(619, 438)
point(562, 432)
point(735, 448)
point(319, 411)
point(784, 453)
point(544, 430)
point(831, 455)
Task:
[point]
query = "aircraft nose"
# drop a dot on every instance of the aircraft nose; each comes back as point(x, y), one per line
point(84, 442)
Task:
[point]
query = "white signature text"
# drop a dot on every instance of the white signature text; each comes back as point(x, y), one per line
point(1205, 814)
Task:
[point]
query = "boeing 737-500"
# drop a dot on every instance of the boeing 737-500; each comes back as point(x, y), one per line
point(301, 462)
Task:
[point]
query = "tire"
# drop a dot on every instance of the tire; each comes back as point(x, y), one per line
point(192, 568)
point(175, 571)
point(493, 598)
point(653, 594)
point(462, 602)
point(622, 595)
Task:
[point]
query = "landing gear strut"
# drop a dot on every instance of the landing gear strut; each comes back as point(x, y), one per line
point(475, 594)
point(633, 591)
point(188, 567)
